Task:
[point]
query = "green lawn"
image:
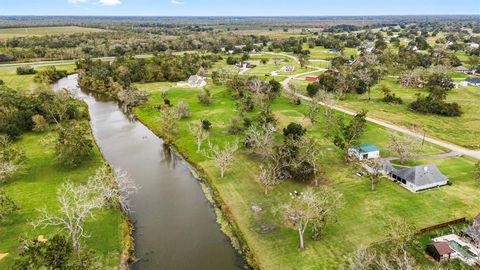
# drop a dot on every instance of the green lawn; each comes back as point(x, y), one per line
point(25, 82)
point(361, 221)
point(36, 187)
point(319, 52)
point(42, 31)
point(463, 130)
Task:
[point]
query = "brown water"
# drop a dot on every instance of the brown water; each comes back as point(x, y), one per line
point(175, 225)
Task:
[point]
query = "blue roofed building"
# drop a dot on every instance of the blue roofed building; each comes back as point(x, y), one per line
point(364, 151)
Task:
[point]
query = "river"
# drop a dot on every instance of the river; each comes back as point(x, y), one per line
point(175, 225)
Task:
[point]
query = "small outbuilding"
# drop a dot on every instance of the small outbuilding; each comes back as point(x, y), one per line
point(364, 151)
point(440, 251)
point(311, 78)
point(419, 178)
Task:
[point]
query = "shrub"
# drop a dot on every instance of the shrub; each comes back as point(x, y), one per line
point(389, 97)
point(167, 102)
point(39, 123)
point(183, 110)
point(206, 125)
point(431, 105)
point(1, 82)
point(7, 206)
point(294, 131)
point(51, 74)
point(204, 97)
point(313, 88)
point(25, 70)
point(235, 127)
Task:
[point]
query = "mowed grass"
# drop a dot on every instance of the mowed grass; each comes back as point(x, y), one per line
point(26, 82)
point(35, 188)
point(463, 130)
point(360, 221)
point(320, 52)
point(42, 31)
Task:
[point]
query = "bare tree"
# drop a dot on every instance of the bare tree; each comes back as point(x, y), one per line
point(223, 157)
point(311, 207)
point(268, 176)
point(7, 170)
point(117, 188)
point(373, 168)
point(260, 139)
point(361, 259)
point(78, 202)
point(313, 109)
point(405, 146)
point(310, 151)
point(199, 133)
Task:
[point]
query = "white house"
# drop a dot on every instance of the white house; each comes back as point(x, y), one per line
point(417, 178)
point(287, 68)
point(194, 81)
point(474, 45)
point(364, 151)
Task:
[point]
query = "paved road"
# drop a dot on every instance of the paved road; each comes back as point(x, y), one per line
point(449, 146)
point(63, 62)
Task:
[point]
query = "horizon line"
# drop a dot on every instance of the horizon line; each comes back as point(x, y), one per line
point(242, 16)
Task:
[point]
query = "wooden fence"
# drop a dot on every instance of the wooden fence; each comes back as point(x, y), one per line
point(442, 225)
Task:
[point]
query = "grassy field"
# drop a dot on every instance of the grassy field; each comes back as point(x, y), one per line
point(463, 130)
point(36, 187)
point(25, 82)
point(319, 52)
point(42, 31)
point(275, 62)
point(361, 221)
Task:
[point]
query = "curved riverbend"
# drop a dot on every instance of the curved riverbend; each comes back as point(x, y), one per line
point(175, 225)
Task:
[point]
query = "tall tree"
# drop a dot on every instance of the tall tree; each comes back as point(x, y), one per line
point(405, 146)
point(199, 133)
point(73, 145)
point(315, 207)
point(222, 156)
point(347, 135)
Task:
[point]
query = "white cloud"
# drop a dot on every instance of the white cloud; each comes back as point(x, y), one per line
point(176, 2)
point(109, 2)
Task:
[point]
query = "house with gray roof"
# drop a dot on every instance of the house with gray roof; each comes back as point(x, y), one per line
point(416, 178)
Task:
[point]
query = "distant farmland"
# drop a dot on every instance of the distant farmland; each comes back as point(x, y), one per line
point(41, 31)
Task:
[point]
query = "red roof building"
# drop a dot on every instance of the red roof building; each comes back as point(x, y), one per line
point(311, 78)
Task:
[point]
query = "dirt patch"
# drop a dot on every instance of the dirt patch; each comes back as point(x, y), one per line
point(3, 255)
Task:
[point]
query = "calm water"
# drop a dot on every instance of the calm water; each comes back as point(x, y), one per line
point(175, 225)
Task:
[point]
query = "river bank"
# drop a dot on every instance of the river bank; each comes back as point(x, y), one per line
point(172, 218)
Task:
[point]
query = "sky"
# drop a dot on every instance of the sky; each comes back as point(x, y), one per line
point(237, 7)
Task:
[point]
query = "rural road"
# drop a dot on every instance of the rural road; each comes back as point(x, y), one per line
point(449, 146)
point(452, 147)
point(63, 62)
